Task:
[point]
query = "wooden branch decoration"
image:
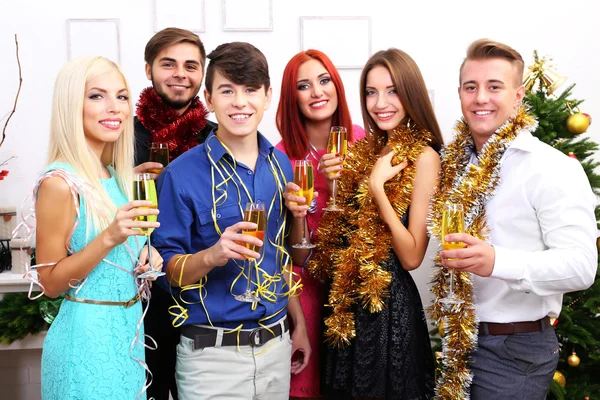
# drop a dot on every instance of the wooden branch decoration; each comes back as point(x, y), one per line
point(17, 96)
point(7, 160)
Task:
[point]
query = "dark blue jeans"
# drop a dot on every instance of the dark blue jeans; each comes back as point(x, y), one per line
point(515, 367)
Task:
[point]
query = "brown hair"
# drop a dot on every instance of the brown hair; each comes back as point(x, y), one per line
point(239, 62)
point(411, 90)
point(485, 49)
point(169, 37)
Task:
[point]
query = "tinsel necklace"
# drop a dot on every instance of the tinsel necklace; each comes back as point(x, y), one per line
point(472, 186)
point(167, 126)
point(354, 244)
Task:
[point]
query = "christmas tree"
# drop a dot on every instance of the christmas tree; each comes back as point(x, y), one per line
point(578, 326)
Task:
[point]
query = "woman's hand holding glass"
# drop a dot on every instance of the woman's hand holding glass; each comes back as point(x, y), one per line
point(295, 203)
point(127, 223)
point(145, 189)
point(330, 166)
point(299, 196)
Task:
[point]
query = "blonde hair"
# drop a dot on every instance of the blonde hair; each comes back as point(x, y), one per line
point(68, 143)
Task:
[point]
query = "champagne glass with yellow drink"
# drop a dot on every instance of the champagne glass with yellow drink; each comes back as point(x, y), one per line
point(159, 152)
point(145, 189)
point(453, 221)
point(305, 178)
point(337, 144)
point(255, 213)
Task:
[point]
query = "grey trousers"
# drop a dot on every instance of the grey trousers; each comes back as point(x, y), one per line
point(515, 367)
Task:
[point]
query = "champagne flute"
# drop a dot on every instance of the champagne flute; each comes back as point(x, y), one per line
point(145, 189)
point(453, 221)
point(336, 144)
point(254, 212)
point(159, 152)
point(304, 177)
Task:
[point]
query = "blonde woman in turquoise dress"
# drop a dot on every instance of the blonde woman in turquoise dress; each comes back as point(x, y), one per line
point(89, 243)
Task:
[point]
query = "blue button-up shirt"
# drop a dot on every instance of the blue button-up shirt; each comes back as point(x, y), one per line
point(187, 225)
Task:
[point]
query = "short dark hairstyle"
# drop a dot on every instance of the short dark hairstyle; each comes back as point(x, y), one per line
point(168, 37)
point(486, 49)
point(239, 62)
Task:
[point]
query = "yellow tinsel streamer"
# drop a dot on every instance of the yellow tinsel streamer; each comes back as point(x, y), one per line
point(352, 245)
point(473, 186)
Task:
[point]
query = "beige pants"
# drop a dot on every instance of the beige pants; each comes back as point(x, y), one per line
point(230, 373)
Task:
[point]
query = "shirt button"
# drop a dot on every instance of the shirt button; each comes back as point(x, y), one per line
point(218, 215)
point(249, 172)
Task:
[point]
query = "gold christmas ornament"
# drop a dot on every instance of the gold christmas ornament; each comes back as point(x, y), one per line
point(441, 328)
point(548, 78)
point(573, 360)
point(577, 123)
point(560, 378)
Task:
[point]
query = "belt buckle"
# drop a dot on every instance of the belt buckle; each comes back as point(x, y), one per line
point(255, 339)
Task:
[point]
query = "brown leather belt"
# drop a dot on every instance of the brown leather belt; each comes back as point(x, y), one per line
point(125, 304)
point(495, 328)
point(207, 337)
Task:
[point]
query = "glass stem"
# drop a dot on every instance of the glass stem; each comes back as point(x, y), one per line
point(304, 241)
point(451, 289)
point(150, 254)
point(334, 192)
point(249, 276)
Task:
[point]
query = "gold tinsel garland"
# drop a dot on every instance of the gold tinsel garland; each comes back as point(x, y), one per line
point(472, 186)
point(353, 244)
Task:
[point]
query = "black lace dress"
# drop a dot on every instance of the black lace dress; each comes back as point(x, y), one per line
point(391, 356)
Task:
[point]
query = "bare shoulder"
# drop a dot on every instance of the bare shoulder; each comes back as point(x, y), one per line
point(429, 159)
point(55, 189)
point(54, 203)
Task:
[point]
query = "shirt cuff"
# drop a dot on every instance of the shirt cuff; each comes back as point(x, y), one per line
point(506, 265)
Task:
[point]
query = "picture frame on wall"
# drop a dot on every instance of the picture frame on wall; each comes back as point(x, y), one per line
point(93, 37)
point(189, 14)
point(346, 40)
point(247, 16)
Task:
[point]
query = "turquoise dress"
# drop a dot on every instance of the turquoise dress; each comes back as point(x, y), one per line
point(86, 353)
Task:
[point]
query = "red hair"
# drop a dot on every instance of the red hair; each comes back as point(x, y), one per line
point(289, 118)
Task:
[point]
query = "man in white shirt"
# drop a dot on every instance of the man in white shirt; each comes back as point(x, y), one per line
point(541, 238)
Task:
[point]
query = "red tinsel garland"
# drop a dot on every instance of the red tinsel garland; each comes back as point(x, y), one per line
point(167, 126)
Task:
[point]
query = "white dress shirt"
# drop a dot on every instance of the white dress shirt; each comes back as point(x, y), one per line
point(543, 230)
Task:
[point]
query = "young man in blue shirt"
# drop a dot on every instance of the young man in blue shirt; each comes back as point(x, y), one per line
point(228, 347)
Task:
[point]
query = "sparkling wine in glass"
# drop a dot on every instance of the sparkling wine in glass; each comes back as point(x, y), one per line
point(145, 189)
point(304, 177)
point(337, 144)
point(159, 152)
point(453, 221)
point(254, 212)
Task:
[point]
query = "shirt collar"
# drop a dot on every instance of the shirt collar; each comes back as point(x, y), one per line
point(524, 141)
point(217, 150)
